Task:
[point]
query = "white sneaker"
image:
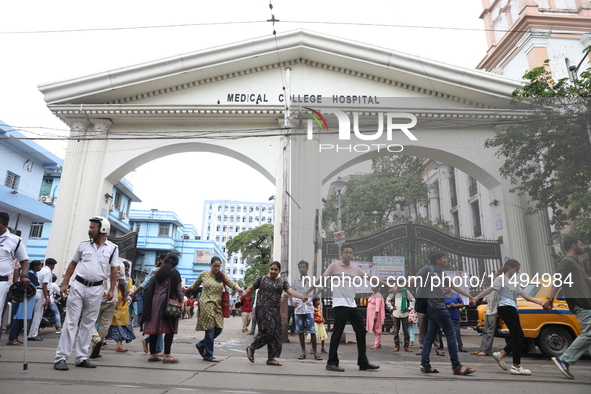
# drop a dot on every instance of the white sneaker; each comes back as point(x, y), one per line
point(520, 371)
point(499, 359)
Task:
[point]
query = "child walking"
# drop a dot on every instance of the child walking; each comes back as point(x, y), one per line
point(319, 324)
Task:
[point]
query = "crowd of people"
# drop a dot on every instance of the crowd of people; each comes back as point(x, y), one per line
point(104, 304)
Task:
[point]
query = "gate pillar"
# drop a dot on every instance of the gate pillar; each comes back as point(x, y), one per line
point(82, 189)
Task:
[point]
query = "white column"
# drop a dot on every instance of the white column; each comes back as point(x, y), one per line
point(306, 191)
point(445, 191)
point(433, 202)
point(81, 190)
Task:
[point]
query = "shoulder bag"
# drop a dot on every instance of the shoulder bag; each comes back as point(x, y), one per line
point(173, 307)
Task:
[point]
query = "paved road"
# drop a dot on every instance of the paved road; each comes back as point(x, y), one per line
point(131, 373)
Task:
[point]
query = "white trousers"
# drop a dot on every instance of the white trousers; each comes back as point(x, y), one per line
point(37, 314)
point(83, 305)
point(3, 294)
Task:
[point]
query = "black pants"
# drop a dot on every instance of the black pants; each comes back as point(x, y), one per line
point(342, 314)
point(511, 318)
point(167, 343)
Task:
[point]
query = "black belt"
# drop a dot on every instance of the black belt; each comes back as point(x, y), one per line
point(3, 278)
point(87, 283)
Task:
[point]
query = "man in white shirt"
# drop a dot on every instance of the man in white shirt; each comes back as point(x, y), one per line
point(11, 249)
point(94, 261)
point(304, 311)
point(45, 276)
point(345, 309)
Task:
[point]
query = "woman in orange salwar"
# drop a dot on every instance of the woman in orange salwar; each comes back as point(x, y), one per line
point(375, 316)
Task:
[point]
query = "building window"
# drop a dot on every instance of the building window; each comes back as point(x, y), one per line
point(472, 187)
point(243, 219)
point(219, 218)
point(237, 229)
point(219, 208)
point(164, 230)
point(225, 228)
point(232, 208)
point(269, 221)
point(452, 188)
point(237, 209)
point(36, 230)
point(12, 180)
point(118, 195)
point(250, 220)
point(137, 227)
point(476, 219)
point(217, 238)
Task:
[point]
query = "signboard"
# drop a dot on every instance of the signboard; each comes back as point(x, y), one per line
point(387, 266)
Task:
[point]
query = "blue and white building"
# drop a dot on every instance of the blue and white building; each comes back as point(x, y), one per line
point(26, 169)
point(163, 232)
point(224, 219)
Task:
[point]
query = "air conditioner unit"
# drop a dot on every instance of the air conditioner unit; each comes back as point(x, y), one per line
point(123, 215)
point(111, 207)
point(46, 199)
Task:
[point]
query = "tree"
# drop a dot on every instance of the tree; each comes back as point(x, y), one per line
point(547, 155)
point(370, 200)
point(254, 246)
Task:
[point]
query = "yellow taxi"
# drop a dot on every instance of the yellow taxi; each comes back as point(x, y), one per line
point(552, 332)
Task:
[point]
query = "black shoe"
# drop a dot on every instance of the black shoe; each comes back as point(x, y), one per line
point(96, 349)
point(85, 364)
point(37, 338)
point(368, 366)
point(335, 368)
point(61, 365)
point(200, 349)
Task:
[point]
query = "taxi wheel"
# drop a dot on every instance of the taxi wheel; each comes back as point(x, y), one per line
point(553, 341)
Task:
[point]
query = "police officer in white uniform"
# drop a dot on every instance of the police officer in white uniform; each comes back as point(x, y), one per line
point(42, 299)
point(95, 260)
point(11, 249)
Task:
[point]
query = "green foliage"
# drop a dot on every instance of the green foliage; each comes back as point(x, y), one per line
point(547, 156)
point(369, 201)
point(255, 246)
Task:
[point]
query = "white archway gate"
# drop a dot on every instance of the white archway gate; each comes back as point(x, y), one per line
point(230, 101)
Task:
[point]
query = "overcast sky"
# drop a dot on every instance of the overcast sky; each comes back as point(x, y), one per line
point(447, 31)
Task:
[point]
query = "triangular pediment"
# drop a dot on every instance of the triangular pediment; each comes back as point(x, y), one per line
point(253, 71)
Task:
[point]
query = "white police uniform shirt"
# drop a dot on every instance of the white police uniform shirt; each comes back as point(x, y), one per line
point(8, 244)
point(94, 264)
point(45, 276)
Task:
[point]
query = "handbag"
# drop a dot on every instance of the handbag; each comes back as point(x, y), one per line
point(173, 307)
point(225, 300)
point(413, 317)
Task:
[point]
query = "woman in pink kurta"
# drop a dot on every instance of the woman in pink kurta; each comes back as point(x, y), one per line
point(375, 316)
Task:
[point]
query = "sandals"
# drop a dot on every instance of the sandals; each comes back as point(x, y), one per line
point(154, 359)
point(466, 370)
point(121, 349)
point(428, 369)
point(250, 354)
point(274, 363)
point(170, 360)
point(317, 357)
point(14, 342)
point(302, 356)
point(210, 359)
point(440, 352)
point(323, 350)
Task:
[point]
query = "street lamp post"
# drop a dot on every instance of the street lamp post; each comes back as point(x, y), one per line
point(339, 185)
